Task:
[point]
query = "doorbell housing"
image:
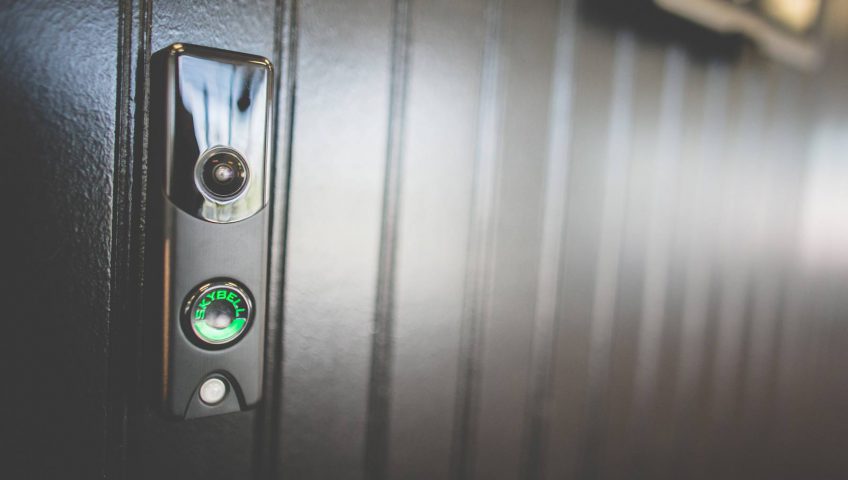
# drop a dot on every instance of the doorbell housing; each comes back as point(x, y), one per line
point(209, 178)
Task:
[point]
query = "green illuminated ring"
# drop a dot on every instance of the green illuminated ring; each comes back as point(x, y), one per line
point(207, 336)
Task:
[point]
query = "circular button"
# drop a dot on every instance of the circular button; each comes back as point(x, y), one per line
point(213, 391)
point(217, 313)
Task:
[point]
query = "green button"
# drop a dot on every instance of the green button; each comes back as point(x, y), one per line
point(219, 312)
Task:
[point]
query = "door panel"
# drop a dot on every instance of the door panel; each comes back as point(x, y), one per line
point(510, 239)
point(592, 86)
point(338, 156)
point(522, 110)
point(59, 138)
point(439, 167)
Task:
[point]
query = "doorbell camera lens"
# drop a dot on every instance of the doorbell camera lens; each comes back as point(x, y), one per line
point(224, 174)
point(221, 175)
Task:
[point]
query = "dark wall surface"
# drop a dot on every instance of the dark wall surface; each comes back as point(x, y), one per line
point(512, 239)
point(58, 101)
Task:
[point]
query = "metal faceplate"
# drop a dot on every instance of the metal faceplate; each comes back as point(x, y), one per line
point(210, 104)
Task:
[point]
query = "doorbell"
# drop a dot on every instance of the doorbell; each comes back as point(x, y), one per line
point(209, 184)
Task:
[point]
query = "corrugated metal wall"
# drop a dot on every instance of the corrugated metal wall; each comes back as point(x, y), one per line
point(531, 239)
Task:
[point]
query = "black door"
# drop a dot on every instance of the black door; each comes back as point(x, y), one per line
point(509, 239)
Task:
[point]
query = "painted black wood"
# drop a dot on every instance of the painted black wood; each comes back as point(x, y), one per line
point(339, 142)
point(58, 95)
point(444, 79)
point(510, 239)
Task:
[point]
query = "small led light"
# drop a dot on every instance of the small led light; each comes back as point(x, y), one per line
point(213, 391)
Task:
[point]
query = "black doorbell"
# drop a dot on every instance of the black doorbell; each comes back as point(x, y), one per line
point(210, 119)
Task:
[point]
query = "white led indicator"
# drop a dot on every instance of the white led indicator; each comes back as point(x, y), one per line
point(213, 391)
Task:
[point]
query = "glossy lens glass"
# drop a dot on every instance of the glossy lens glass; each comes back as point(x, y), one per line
point(222, 175)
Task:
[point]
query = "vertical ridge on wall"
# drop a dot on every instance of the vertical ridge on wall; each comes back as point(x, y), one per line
point(607, 267)
point(697, 225)
point(662, 167)
point(735, 266)
point(756, 400)
point(128, 211)
point(481, 245)
point(379, 389)
point(114, 437)
point(528, 40)
point(593, 71)
point(338, 163)
point(659, 229)
point(555, 190)
point(267, 429)
point(791, 184)
point(441, 117)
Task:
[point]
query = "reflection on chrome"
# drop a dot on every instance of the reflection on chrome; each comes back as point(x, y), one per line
point(217, 105)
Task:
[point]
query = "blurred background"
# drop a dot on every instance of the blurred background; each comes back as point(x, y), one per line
point(513, 239)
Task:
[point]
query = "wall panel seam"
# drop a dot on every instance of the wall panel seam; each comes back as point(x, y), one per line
point(616, 172)
point(480, 258)
point(379, 388)
point(554, 219)
point(127, 241)
point(268, 428)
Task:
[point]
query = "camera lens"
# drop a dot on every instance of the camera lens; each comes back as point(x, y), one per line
point(222, 174)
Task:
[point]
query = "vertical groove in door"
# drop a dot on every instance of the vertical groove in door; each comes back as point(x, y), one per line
point(379, 388)
point(441, 114)
point(607, 266)
point(144, 50)
point(797, 131)
point(481, 247)
point(115, 433)
point(736, 270)
point(267, 429)
point(550, 257)
point(333, 234)
point(658, 243)
point(127, 249)
point(696, 228)
point(757, 402)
